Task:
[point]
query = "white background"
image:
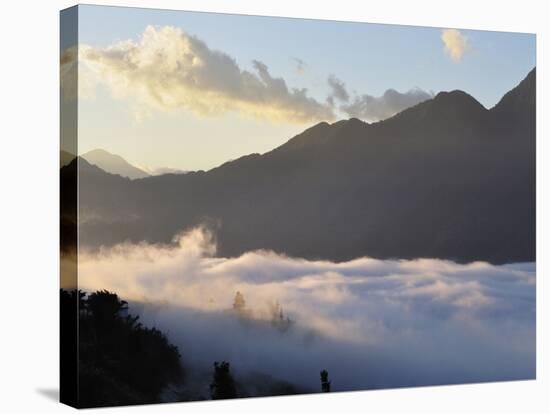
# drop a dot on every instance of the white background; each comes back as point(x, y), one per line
point(29, 37)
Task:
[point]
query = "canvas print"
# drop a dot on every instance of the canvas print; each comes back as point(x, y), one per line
point(262, 206)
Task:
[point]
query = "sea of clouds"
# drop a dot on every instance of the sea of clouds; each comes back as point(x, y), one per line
point(371, 323)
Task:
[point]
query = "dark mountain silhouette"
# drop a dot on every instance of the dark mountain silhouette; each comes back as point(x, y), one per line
point(446, 178)
point(518, 99)
point(113, 164)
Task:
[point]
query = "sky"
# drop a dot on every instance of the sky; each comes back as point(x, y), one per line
point(192, 90)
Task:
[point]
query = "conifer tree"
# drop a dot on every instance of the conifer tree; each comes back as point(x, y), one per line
point(223, 385)
point(325, 383)
point(239, 304)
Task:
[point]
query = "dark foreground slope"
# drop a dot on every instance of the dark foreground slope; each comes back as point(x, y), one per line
point(120, 361)
point(446, 179)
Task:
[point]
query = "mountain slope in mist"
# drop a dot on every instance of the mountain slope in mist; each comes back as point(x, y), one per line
point(446, 178)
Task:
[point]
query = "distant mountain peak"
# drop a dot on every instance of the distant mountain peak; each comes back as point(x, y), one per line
point(166, 170)
point(100, 151)
point(113, 164)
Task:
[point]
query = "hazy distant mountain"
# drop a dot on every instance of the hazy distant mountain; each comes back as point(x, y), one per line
point(113, 164)
point(446, 178)
point(161, 171)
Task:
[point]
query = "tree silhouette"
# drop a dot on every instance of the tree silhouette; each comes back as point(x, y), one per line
point(239, 304)
point(325, 383)
point(105, 307)
point(223, 385)
point(278, 318)
point(120, 361)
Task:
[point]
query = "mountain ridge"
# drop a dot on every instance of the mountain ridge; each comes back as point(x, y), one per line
point(446, 178)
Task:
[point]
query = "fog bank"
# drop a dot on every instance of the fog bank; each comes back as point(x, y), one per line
point(370, 323)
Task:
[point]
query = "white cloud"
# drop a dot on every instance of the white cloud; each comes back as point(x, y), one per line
point(456, 44)
point(167, 69)
point(371, 323)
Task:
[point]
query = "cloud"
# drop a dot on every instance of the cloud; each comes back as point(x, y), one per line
point(167, 69)
point(371, 323)
point(74, 81)
point(456, 44)
point(338, 89)
point(299, 65)
point(374, 108)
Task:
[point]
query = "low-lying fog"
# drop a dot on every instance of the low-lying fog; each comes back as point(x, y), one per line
point(370, 323)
